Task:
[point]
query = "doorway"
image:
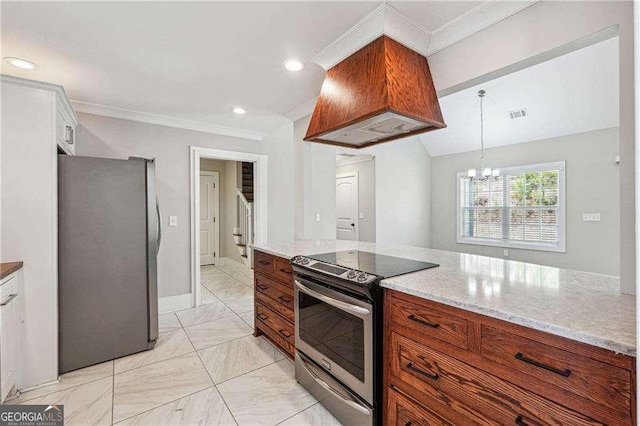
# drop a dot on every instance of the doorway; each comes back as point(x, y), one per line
point(200, 251)
point(355, 197)
point(347, 206)
point(209, 214)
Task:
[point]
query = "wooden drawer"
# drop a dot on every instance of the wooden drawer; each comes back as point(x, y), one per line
point(601, 383)
point(284, 271)
point(428, 322)
point(277, 328)
point(279, 304)
point(263, 262)
point(402, 411)
point(448, 385)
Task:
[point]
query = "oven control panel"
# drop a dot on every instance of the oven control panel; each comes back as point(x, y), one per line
point(334, 270)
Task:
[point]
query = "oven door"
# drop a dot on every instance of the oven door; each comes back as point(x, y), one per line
point(335, 330)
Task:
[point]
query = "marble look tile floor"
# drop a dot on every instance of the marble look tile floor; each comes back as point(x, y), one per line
point(206, 369)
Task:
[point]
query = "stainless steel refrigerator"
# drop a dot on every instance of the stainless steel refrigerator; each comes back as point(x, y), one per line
point(108, 238)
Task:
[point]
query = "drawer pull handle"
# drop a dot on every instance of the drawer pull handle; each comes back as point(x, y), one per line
point(264, 262)
point(284, 299)
point(284, 271)
point(9, 298)
point(520, 421)
point(523, 358)
point(423, 322)
point(424, 373)
point(262, 316)
point(261, 286)
point(284, 333)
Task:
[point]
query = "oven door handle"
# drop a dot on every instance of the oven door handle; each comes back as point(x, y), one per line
point(354, 309)
point(329, 388)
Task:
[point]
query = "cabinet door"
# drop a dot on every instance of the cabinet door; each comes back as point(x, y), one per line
point(8, 337)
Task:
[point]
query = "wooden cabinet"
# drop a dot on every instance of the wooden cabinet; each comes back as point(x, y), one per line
point(402, 410)
point(273, 287)
point(10, 329)
point(470, 369)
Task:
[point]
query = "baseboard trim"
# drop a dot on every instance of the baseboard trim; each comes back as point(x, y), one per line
point(175, 303)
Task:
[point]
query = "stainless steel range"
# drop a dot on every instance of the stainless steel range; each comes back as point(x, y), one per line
point(338, 311)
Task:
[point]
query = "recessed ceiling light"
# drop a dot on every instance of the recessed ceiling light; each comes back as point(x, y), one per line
point(21, 63)
point(238, 110)
point(293, 65)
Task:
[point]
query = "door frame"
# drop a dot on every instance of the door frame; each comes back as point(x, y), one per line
point(216, 212)
point(260, 219)
point(355, 174)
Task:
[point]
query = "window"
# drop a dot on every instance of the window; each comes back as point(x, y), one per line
point(523, 208)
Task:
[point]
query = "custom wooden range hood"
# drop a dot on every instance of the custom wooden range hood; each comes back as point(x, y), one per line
point(382, 92)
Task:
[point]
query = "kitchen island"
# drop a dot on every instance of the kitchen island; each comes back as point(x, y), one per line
point(499, 341)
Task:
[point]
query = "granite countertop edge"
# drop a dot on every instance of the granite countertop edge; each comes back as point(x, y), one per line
point(429, 291)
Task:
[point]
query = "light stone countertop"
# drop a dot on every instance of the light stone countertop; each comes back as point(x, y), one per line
point(581, 306)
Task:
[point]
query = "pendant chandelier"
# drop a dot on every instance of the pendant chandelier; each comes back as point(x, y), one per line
point(483, 172)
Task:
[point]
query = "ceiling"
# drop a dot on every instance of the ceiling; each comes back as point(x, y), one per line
point(574, 93)
point(191, 61)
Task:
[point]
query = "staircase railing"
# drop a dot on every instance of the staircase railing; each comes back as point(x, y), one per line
point(245, 221)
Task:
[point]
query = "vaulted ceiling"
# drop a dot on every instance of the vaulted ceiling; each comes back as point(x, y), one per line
point(574, 93)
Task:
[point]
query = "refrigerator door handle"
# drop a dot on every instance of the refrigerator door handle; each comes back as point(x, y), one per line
point(159, 239)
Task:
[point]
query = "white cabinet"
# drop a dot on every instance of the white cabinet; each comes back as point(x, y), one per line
point(10, 319)
point(32, 135)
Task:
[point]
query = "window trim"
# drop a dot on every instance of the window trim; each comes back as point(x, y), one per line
point(560, 247)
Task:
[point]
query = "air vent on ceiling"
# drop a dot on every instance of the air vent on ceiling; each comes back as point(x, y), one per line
point(519, 113)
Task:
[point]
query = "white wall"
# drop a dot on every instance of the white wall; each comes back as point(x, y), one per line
point(29, 221)
point(537, 29)
point(315, 176)
point(366, 196)
point(99, 136)
point(279, 147)
point(592, 186)
point(403, 192)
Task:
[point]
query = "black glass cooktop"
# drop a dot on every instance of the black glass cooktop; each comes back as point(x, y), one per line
point(372, 263)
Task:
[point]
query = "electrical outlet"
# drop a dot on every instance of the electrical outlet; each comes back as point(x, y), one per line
point(506, 253)
point(317, 217)
point(361, 215)
point(591, 217)
point(173, 220)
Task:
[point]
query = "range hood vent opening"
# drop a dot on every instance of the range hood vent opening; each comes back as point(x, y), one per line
point(381, 93)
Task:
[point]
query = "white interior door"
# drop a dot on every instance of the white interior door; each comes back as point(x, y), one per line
point(347, 206)
point(209, 207)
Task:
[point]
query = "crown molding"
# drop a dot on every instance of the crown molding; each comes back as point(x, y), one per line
point(475, 20)
point(383, 20)
point(163, 120)
point(61, 95)
point(302, 110)
point(386, 20)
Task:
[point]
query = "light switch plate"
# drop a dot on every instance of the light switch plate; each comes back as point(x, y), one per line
point(173, 220)
point(361, 215)
point(591, 217)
